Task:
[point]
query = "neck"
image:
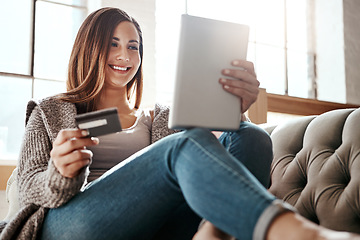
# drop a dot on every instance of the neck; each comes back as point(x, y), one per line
point(114, 98)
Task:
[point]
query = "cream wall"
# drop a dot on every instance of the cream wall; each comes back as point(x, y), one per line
point(351, 9)
point(337, 47)
point(329, 45)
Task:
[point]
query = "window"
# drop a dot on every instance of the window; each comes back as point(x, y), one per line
point(279, 41)
point(33, 60)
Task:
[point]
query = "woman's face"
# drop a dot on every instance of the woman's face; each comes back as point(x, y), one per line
point(124, 56)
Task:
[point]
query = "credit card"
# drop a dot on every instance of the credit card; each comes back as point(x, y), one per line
point(99, 122)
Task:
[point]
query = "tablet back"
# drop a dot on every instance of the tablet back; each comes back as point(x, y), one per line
point(206, 47)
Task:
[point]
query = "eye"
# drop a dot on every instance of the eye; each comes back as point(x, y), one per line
point(133, 48)
point(114, 44)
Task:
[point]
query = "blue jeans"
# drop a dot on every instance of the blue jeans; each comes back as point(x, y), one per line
point(163, 191)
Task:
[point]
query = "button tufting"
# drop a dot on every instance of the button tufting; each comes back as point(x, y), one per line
point(316, 167)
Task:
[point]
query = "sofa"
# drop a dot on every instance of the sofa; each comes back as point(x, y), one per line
point(316, 168)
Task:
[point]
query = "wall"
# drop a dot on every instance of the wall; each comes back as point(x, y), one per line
point(337, 47)
point(351, 9)
point(329, 45)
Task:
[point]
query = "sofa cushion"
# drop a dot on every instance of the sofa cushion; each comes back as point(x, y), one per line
point(316, 167)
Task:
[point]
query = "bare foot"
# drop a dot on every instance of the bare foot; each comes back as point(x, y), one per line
point(286, 226)
point(326, 234)
point(209, 232)
point(295, 227)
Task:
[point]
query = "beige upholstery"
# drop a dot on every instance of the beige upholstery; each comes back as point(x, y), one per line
point(12, 196)
point(316, 167)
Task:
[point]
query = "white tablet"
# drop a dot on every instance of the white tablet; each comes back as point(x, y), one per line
point(206, 47)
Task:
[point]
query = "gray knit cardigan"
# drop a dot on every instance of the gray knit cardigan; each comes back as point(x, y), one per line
point(40, 185)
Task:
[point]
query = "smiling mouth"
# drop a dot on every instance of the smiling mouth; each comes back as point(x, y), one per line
point(120, 68)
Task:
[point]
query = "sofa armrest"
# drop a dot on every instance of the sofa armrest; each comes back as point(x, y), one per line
point(269, 128)
point(12, 196)
point(316, 167)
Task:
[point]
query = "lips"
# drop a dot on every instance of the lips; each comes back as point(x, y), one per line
point(120, 68)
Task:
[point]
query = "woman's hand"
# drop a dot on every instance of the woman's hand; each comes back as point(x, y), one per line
point(241, 82)
point(69, 153)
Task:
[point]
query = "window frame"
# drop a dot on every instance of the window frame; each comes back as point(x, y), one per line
point(31, 75)
point(312, 92)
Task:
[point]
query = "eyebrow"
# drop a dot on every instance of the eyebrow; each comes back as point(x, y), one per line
point(131, 41)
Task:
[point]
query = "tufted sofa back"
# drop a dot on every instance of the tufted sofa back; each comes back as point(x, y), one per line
point(316, 167)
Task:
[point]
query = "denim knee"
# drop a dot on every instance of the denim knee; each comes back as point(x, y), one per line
point(198, 132)
point(256, 135)
point(252, 146)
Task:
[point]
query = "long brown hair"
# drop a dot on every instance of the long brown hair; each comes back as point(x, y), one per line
point(86, 72)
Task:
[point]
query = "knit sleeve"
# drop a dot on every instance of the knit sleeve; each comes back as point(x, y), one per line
point(39, 182)
point(159, 127)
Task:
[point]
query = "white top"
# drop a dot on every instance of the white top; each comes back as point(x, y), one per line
point(116, 147)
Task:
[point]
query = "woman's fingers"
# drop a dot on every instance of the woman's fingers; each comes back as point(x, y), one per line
point(69, 153)
point(66, 134)
point(70, 165)
point(239, 85)
point(73, 144)
point(244, 72)
point(75, 155)
point(241, 82)
point(247, 97)
point(69, 140)
point(248, 66)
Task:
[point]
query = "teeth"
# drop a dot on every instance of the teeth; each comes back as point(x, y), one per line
point(119, 68)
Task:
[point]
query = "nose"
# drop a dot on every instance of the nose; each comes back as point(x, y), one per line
point(122, 55)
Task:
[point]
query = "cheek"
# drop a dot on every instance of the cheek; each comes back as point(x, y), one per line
point(136, 58)
point(137, 62)
point(110, 56)
point(111, 53)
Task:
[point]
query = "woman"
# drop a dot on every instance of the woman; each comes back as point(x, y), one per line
point(154, 191)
